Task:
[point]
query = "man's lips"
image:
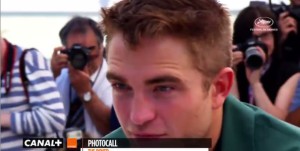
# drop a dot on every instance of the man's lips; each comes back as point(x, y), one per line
point(147, 135)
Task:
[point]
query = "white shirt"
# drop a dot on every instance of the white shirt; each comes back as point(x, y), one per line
point(101, 87)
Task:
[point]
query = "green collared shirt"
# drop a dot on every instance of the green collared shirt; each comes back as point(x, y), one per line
point(248, 128)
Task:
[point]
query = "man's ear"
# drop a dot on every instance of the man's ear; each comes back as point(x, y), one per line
point(221, 87)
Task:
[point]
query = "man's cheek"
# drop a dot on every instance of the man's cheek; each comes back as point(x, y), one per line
point(121, 108)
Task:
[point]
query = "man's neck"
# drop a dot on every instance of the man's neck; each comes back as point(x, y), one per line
point(216, 128)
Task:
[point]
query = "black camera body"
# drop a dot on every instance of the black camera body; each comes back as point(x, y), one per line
point(290, 47)
point(78, 56)
point(293, 11)
point(253, 58)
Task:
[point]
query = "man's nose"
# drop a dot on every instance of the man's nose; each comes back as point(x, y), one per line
point(142, 110)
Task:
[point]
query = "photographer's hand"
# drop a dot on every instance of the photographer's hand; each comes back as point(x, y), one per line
point(287, 24)
point(253, 76)
point(237, 57)
point(58, 61)
point(96, 108)
point(80, 80)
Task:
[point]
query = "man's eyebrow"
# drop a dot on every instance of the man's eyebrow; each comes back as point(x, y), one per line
point(162, 79)
point(114, 76)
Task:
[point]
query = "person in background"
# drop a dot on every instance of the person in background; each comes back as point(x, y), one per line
point(271, 86)
point(288, 25)
point(169, 63)
point(31, 109)
point(86, 93)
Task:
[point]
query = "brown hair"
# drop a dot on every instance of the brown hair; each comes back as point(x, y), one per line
point(204, 26)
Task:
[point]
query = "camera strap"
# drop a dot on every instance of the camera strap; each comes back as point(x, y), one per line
point(9, 58)
point(7, 74)
point(22, 67)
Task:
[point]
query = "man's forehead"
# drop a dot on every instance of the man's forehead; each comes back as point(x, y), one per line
point(163, 51)
point(119, 40)
point(81, 36)
point(79, 32)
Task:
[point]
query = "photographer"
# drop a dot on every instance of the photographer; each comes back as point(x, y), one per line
point(289, 23)
point(288, 20)
point(85, 91)
point(271, 85)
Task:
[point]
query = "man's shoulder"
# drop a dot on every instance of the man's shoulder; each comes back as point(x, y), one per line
point(118, 133)
point(256, 128)
point(269, 129)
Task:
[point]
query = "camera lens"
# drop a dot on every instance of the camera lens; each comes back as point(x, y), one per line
point(78, 56)
point(253, 58)
point(79, 60)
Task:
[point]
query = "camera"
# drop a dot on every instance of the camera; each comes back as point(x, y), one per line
point(293, 11)
point(78, 56)
point(252, 55)
point(291, 45)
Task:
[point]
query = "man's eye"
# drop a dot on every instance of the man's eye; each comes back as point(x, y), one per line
point(163, 89)
point(91, 47)
point(120, 86)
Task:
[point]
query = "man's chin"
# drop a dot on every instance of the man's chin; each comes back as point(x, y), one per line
point(150, 135)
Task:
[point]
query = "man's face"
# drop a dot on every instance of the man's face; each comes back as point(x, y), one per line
point(157, 91)
point(87, 39)
point(295, 2)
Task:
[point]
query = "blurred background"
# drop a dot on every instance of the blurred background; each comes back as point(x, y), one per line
point(36, 23)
